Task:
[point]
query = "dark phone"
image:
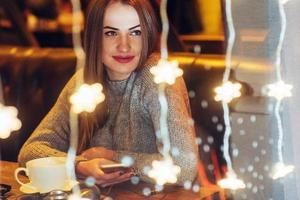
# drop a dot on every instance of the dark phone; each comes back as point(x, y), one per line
point(109, 168)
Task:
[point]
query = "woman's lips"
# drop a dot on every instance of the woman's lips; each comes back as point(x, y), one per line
point(123, 59)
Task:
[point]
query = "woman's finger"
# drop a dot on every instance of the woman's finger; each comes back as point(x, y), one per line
point(106, 178)
point(120, 179)
point(98, 173)
point(112, 176)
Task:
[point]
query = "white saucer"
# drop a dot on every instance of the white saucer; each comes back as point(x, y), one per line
point(30, 189)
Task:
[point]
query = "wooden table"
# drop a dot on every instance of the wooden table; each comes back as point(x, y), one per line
point(119, 192)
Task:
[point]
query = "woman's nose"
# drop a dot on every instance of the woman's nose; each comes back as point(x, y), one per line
point(124, 44)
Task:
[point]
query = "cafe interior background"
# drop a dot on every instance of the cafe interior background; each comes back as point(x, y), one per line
point(253, 43)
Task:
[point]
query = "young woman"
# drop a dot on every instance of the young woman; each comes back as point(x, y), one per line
point(120, 36)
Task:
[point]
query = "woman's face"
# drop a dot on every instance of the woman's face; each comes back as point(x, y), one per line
point(122, 40)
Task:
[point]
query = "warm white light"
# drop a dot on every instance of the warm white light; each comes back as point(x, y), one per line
point(164, 171)
point(281, 170)
point(228, 91)
point(127, 161)
point(279, 90)
point(87, 97)
point(8, 121)
point(284, 1)
point(231, 182)
point(166, 72)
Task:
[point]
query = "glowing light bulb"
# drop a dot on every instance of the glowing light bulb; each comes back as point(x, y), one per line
point(166, 72)
point(8, 121)
point(87, 97)
point(231, 182)
point(127, 161)
point(284, 1)
point(164, 171)
point(281, 170)
point(228, 91)
point(279, 90)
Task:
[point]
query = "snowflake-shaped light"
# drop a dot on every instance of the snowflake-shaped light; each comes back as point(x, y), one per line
point(280, 170)
point(166, 72)
point(231, 182)
point(279, 90)
point(228, 91)
point(164, 171)
point(284, 1)
point(8, 121)
point(87, 97)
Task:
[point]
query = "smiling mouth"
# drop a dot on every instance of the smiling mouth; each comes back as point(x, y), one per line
point(123, 59)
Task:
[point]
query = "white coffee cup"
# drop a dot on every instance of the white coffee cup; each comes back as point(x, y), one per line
point(45, 174)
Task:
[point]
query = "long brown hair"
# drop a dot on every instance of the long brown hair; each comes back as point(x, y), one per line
point(94, 70)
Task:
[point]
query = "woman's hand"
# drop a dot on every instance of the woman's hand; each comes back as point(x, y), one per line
point(98, 152)
point(92, 168)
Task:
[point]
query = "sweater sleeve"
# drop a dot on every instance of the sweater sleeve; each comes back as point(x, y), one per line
point(51, 137)
point(180, 127)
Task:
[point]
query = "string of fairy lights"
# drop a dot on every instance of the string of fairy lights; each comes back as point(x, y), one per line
point(86, 97)
point(77, 104)
point(280, 90)
point(225, 93)
point(9, 121)
point(164, 171)
point(228, 91)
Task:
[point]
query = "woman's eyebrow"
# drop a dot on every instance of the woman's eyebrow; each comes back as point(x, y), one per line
point(109, 27)
point(113, 28)
point(134, 27)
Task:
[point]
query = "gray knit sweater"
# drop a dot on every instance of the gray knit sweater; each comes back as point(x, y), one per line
point(130, 129)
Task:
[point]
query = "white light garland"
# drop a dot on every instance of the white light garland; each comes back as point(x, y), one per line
point(225, 94)
point(284, 1)
point(166, 72)
point(231, 182)
point(8, 118)
point(281, 170)
point(228, 91)
point(164, 171)
point(87, 97)
point(80, 58)
point(8, 121)
point(279, 90)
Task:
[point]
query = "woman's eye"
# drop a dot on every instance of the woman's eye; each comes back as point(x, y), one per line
point(110, 33)
point(136, 33)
